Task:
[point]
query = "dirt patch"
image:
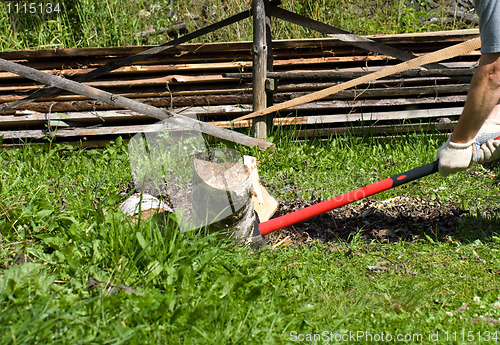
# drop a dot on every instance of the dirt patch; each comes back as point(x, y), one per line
point(406, 218)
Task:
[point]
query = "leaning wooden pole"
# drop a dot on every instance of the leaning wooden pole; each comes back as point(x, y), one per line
point(110, 98)
point(348, 37)
point(442, 54)
point(341, 35)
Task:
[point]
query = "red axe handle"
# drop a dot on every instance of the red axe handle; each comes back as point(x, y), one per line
point(347, 198)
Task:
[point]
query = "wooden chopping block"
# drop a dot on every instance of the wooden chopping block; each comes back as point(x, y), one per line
point(221, 194)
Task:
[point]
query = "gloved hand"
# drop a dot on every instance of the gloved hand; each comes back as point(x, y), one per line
point(489, 149)
point(455, 157)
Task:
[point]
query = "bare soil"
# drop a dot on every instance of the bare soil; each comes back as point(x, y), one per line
point(399, 218)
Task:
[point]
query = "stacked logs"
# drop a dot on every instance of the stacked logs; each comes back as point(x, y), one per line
point(213, 83)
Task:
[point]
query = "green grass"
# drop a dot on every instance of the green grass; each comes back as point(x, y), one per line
point(93, 23)
point(60, 226)
point(73, 269)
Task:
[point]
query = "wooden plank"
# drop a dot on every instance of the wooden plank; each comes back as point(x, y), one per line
point(338, 105)
point(379, 116)
point(89, 133)
point(449, 36)
point(444, 102)
point(351, 118)
point(381, 130)
point(390, 92)
point(37, 134)
point(158, 81)
point(72, 118)
point(88, 143)
point(142, 69)
point(130, 71)
point(165, 101)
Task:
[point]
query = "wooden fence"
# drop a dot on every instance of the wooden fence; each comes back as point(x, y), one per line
point(213, 82)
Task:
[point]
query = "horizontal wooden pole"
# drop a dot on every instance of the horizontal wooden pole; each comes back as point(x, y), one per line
point(347, 75)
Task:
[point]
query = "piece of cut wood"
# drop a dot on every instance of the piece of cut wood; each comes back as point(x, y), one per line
point(263, 202)
point(143, 206)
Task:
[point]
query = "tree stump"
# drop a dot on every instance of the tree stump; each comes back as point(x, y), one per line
point(222, 194)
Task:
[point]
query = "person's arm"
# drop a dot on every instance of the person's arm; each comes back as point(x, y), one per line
point(463, 146)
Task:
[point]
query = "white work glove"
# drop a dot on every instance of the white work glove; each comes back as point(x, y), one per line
point(489, 150)
point(455, 157)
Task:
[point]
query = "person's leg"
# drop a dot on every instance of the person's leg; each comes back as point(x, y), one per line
point(482, 100)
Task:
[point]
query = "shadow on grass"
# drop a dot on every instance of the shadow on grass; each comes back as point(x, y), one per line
point(398, 219)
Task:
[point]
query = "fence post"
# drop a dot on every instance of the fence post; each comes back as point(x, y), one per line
point(259, 67)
